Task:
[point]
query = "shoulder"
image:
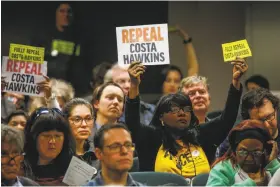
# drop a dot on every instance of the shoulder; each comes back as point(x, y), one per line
point(225, 166)
point(27, 182)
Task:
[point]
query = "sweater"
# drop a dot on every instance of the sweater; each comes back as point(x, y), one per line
point(224, 174)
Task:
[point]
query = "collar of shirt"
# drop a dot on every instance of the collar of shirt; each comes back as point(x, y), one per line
point(98, 180)
point(18, 183)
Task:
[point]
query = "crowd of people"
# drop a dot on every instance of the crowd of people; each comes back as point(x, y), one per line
point(116, 132)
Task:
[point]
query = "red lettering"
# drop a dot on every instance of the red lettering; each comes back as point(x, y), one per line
point(39, 70)
point(27, 67)
point(34, 68)
point(16, 66)
point(9, 65)
point(21, 65)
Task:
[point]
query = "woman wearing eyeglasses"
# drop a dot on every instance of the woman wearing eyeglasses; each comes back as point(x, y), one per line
point(174, 142)
point(251, 159)
point(49, 146)
point(12, 142)
point(79, 113)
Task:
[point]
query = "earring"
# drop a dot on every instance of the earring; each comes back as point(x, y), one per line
point(162, 123)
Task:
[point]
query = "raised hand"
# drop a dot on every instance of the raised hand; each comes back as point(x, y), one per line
point(135, 70)
point(45, 86)
point(239, 68)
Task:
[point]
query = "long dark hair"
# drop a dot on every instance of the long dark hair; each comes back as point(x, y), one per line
point(43, 120)
point(69, 106)
point(164, 72)
point(189, 134)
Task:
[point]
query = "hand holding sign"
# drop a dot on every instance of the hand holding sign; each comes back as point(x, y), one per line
point(239, 68)
point(135, 70)
point(3, 82)
point(45, 86)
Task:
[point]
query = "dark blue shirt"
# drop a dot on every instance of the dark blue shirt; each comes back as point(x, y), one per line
point(98, 181)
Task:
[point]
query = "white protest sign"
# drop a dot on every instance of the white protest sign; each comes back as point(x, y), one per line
point(145, 43)
point(22, 77)
point(78, 173)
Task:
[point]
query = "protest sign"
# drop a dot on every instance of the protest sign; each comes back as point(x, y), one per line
point(22, 77)
point(26, 53)
point(78, 173)
point(236, 49)
point(145, 43)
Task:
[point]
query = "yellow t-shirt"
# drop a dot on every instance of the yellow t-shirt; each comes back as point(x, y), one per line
point(188, 162)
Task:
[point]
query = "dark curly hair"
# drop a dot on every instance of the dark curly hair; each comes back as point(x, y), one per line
point(254, 98)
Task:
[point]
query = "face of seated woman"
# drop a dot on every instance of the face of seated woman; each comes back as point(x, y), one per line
point(49, 146)
point(249, 155)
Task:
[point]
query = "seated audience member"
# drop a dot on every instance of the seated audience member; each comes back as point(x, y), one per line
point(275, 180)
point(108, 102)
point(79, 114)
point(12, 155)
point(251, 159)
point(17, 119)
point(49, 146)
point(120, 76)
point(114, 148)
point(259, 104)
point(57, 94)
point(174, 142)
point(171, 75)
point(256, 81)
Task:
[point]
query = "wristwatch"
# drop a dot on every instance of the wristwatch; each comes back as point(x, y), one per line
point(187, 41)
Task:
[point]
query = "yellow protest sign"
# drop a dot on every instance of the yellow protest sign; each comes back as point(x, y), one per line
point(27, 53)
point(236, 49)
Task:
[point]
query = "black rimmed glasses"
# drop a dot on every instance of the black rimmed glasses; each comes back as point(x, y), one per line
point(77, 120)
point(117, 147)
point(6, 158)
point(270, 117)
point(245, 153)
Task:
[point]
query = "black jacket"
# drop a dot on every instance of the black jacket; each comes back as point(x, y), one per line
point(148, 139)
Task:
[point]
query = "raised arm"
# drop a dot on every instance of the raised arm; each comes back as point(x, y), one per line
point(45, 86)
point(222, 124)
point(192, 63)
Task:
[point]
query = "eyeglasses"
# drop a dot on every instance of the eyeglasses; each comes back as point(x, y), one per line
point(77, 120)
point(269, 118)
point(6, 158)
point(116, 147)
point(49, 137)
point(176, 109)
point(245, 153)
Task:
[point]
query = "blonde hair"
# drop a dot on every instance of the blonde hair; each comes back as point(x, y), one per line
point(193, 80)
point(61, 89)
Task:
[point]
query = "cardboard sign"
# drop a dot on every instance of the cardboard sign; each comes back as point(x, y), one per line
point(145, 43)
point(22, 77)
point(79, 173)
point(236, 49)
point(26, 53)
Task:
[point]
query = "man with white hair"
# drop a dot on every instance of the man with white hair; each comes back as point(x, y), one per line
point(120, 76)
